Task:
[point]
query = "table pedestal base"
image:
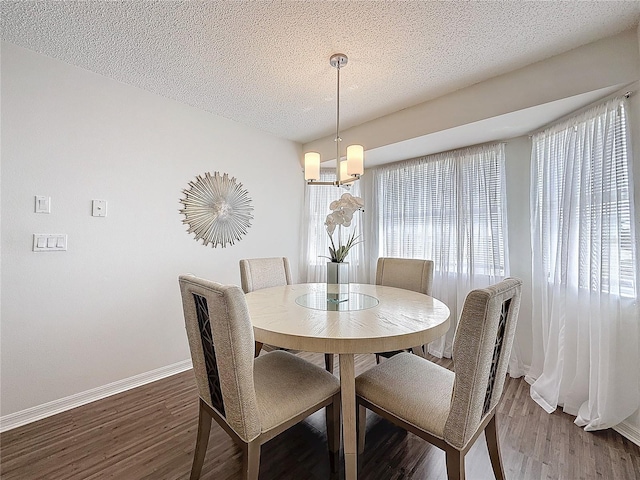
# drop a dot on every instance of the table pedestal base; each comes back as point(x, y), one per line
point(348, 394)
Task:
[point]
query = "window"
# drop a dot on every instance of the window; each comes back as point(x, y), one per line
point(583, 204)
point(449, 208)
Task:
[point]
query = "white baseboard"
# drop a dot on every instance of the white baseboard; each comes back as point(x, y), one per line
point(39, 412)
point(629, 431)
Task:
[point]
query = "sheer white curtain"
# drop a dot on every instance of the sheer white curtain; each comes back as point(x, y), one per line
point(449, 208)
point(585, 302)
point(316, 243)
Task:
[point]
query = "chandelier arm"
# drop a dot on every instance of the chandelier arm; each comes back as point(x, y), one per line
point(336, 183)
point(314, 182)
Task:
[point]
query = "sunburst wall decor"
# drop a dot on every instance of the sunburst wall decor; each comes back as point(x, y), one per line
point(217, 209)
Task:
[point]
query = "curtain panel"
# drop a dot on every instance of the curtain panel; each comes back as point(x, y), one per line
point(315, 247)
point(585, 300)
point(449, 208)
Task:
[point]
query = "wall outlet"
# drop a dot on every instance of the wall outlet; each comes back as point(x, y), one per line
point(99, 208)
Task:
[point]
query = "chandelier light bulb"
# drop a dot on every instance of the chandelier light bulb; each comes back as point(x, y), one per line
point(355, 160)
point(311, 166)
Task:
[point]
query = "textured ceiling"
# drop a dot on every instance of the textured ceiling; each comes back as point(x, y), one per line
point(266, 64)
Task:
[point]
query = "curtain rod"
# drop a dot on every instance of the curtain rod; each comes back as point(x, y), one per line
point(627, 94)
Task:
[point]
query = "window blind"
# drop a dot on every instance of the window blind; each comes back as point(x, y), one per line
point(583, 199)
point(449, 208)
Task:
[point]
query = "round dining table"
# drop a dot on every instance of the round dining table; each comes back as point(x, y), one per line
point(362, 319)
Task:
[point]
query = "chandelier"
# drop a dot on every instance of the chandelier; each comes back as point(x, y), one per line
point(349, 168)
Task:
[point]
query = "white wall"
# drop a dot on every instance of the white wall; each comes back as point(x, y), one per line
point(518, 173)
point(109, 307)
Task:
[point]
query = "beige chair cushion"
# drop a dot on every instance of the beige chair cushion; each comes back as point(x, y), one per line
point(287, 385)
point(424, 398)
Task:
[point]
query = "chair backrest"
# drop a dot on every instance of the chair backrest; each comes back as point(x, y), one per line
point(259, 273)
point(407, 273)
point(481, 351)
point(222, 347)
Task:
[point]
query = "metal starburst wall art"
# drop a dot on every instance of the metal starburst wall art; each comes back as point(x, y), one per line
point(217, 209)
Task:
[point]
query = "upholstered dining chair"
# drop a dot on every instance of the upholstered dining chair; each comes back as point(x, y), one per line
point(409, 274)
point(252, 399)
point(259, 273)
point(445, 408)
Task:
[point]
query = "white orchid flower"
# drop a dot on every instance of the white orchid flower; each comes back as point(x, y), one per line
point(342, 211)
point(347, 215)
point(330, 223)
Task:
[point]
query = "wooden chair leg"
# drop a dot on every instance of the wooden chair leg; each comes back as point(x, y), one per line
point(455, 464)
point(491, 436)
point(251, 461)
point(419, 350)
point(328, 362)
point(202, 441)
point(333, 432)
point(258, 349)
point(361, 427)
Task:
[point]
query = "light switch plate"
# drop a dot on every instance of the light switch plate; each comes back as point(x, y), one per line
point(99, 208)
point(43, 204)
point(49, 242)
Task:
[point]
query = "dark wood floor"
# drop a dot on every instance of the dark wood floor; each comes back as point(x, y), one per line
point(149, 433)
